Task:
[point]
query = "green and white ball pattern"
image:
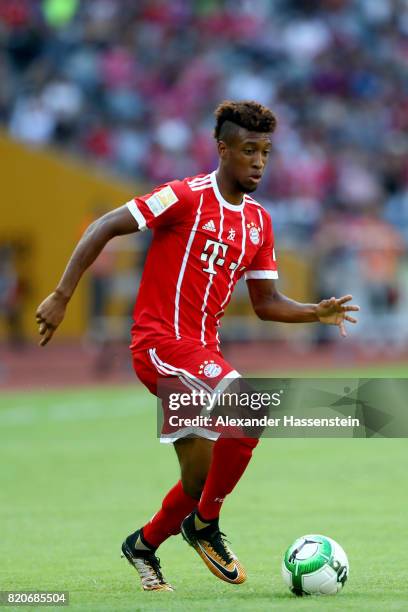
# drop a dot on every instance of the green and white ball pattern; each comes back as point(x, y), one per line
point(315, 565)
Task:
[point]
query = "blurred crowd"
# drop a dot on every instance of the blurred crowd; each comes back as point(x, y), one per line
point(133, 86)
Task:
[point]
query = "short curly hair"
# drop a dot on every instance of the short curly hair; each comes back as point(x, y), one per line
point(247, 114)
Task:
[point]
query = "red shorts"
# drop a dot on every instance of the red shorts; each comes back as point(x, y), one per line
point(190, 367)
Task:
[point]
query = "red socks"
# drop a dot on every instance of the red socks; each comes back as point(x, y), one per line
point(229, 461)
point(166, 522)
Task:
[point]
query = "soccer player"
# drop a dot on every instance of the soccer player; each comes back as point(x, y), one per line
point(207, 233)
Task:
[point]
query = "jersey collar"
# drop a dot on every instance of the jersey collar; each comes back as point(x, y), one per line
point(221, 200)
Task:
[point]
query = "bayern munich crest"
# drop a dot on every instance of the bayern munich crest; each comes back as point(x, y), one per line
point(210, 369)
point(254, 232)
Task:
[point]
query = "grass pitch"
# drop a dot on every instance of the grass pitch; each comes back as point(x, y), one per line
point(82, 469)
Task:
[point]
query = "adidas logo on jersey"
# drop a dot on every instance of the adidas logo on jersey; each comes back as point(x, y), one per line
point(210, 226)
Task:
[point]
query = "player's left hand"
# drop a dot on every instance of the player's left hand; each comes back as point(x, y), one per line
point(49, 315)
point(334, 312)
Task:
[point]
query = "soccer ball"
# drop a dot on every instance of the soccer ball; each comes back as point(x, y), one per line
point(315, 565)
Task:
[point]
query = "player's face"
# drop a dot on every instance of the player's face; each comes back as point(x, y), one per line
point(245, 158)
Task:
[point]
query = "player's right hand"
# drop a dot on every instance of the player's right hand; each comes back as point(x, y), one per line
point(49, 315)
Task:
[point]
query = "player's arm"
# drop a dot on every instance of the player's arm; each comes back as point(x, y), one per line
point(51, 311)
point(271, 305)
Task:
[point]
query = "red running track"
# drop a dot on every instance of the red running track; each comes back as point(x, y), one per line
point(66, 365)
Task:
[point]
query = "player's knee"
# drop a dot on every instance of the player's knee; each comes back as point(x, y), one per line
point(193, 483)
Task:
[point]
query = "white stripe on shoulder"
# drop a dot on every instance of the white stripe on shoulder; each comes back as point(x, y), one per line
point(135, 212)
point(199, 179)
point(252, 201)
point(201, 187)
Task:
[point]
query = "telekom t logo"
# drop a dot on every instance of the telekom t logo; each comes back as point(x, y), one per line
point(214, 253)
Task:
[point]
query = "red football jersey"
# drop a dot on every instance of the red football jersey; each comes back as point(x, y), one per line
point(201, 246)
